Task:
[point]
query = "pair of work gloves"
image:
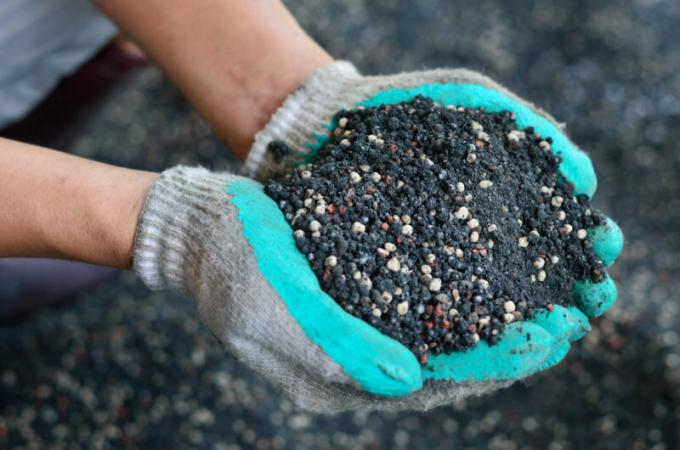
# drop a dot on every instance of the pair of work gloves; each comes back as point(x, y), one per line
point(218, 238)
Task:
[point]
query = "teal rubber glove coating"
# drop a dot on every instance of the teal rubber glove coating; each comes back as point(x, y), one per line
point(525, 347)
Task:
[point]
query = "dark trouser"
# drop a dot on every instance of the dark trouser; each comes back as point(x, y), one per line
point(27, 284)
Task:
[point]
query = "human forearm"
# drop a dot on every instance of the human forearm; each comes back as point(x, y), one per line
point(235, 60)
point(62, 206)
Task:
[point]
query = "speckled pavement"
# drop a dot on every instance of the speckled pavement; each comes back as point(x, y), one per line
point(122, 367)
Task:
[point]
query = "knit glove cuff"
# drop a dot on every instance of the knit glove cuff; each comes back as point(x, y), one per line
point(183, 201)
point(304, 112)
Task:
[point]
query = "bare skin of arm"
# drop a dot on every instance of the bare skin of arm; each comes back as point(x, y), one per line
point(235, 60)
point(61, 206)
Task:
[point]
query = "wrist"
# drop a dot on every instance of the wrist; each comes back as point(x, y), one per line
point(127, 191)
point(96, 216)
point(262, 86)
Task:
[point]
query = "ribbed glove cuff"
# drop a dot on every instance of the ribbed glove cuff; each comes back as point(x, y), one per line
point(181, 203)
point(302, 114)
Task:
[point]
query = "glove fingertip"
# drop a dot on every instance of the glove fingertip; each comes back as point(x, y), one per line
point(578, 169)
point(607, 241)
point(557, 356)
point(583, 327)
point(564, 324)
point(530, 346)
point(595, 298)
point(406, 376)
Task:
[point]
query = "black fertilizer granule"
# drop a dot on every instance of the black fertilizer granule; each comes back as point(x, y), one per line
point(439, 225)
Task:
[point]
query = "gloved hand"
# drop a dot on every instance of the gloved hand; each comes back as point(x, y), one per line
point(304, 123)
point(220, 239)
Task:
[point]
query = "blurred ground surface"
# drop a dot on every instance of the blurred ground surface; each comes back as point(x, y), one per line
point(126, 368)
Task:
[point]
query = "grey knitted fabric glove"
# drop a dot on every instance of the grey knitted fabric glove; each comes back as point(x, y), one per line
point(191, 238)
